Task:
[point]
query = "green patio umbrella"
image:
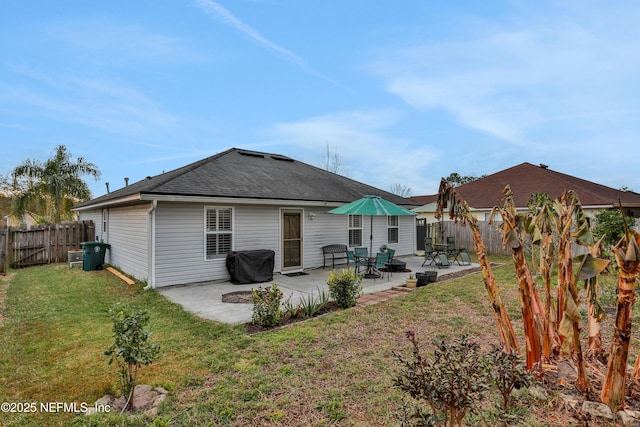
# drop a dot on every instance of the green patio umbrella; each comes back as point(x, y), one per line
point(372, 206)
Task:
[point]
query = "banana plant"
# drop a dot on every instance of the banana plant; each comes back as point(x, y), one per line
point(627, 253)
point(541, 231)
point(570, 217)
point(459, 211)
point(595, 313)
point(514, 227)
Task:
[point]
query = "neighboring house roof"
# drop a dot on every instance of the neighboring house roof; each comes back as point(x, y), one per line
point(424, 200)
point(526, 179)
point(426, 208)
point(245, 174)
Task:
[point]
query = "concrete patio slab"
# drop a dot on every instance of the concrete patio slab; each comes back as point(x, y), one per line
point(205, 299)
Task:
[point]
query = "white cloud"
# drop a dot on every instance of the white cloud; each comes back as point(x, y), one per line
point(513, 81)
point(223, 15)
point(103, 42)
point(365, 141)
point(100, 104)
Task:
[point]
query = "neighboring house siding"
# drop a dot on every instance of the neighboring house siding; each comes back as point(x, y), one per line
point(129, 239)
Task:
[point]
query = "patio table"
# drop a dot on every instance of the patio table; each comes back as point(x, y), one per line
point(371, 271)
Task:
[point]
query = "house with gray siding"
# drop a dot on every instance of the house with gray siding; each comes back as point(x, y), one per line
point(177, 227)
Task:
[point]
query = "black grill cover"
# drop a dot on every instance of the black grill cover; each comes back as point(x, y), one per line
point(250, 266)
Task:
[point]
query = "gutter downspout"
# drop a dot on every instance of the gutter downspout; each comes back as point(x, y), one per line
point(151, 253)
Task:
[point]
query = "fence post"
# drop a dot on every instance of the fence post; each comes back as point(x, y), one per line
point(4, 248)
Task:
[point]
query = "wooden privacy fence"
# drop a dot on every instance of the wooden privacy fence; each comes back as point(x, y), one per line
point(42, 245)
point(3, 250)
point(492, 237)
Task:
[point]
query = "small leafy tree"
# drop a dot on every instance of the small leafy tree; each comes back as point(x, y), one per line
point(344, 287)
point(508, 373)
point(452, 383)
point(455, 179)
point(266, 306)
point(611, 225)
point(131, 348)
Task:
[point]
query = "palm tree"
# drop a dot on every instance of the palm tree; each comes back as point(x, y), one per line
point(52, 188)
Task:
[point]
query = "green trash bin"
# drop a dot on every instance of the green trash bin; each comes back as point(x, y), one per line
point(93, 255)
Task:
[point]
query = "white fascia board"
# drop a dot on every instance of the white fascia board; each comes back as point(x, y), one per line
point(128, 199)
point(600, 206)
point(236, 200)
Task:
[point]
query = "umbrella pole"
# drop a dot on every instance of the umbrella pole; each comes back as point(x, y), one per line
point(371, 238)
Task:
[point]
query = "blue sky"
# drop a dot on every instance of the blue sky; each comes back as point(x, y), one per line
point(405, 92)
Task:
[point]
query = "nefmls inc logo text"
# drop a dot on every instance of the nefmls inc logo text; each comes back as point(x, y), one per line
point(54, 407)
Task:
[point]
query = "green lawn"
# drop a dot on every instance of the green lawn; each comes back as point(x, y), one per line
point(334, 370)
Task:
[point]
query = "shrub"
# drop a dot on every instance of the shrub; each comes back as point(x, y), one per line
point(312, 305)
point(451, 383)
point(611, 224)
point(344, 287)
point(131, 348)
point(266, 306)
point(509, 372)
point(289, 309)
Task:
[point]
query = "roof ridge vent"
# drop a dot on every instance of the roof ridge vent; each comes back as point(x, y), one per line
point(251, 154)
point(283, 158)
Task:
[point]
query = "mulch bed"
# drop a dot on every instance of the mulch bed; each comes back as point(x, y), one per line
point(287, 320)
point(241, 297)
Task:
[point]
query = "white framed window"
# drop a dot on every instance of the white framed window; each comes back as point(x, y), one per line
point(218, 232)
point(392, 229)
point(355, 230)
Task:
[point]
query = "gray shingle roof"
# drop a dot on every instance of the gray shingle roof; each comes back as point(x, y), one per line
point(238, 173)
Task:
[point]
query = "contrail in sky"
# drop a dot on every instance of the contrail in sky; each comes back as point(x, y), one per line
point(217, 11)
